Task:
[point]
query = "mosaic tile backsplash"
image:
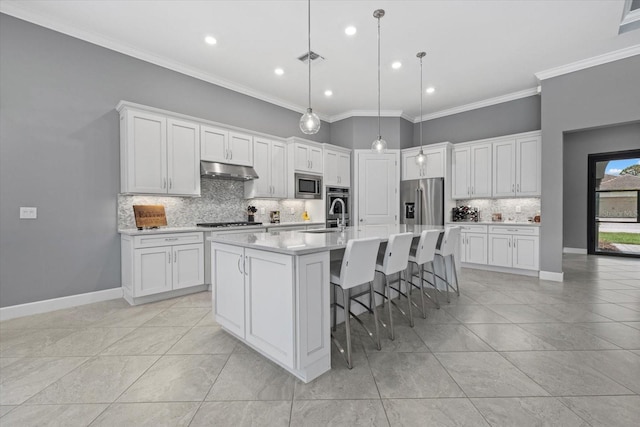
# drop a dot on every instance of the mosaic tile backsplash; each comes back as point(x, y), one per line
point(221, 201)
point(507, 207)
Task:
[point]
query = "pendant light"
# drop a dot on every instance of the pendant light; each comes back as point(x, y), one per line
point(420, 158)
point(309, 122)
point(379, 145)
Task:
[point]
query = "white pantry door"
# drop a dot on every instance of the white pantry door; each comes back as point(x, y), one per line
point(377, 187)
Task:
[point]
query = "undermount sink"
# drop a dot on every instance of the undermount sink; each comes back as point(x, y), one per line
point(323, 230)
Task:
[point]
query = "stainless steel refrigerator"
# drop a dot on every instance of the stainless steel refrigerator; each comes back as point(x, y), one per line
point(422, 201)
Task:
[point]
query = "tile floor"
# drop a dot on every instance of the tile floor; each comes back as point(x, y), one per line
point(511, 351)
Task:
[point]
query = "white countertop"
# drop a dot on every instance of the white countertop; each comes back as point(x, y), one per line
point(162, 230)
point(301, 242)
point(505, 223)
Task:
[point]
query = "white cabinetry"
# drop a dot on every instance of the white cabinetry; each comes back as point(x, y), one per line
point(471, 171)
point(221, 145)
point(337, 166)
point(158, 155)
point(517, 167)
point(516, 247)
point(473, 244)
point(433, 167)
point(307, 156)
point(270, 163)
point(157, 263)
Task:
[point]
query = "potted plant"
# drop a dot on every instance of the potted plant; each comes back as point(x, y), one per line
point(251, 211)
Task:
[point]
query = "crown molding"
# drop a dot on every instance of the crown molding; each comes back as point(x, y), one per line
point(369, 113)
point(12, 8)
point(605, 58)
point(479, 104)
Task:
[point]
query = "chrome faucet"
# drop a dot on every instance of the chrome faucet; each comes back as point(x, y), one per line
point(340, 221)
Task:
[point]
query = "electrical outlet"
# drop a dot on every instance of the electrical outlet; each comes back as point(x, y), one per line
point(28, 212)
point(518, 209)
point(292, 211)
point(263, 211)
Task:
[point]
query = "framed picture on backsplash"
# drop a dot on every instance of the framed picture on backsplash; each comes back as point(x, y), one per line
point(496, 217)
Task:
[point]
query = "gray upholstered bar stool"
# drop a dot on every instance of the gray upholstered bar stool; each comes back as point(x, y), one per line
point(423, 252)
point(394, 260)
point(446, 250)
point(356, 268)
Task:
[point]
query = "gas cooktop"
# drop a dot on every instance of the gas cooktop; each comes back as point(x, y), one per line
point(227, 224)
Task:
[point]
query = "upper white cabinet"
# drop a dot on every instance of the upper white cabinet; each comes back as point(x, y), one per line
point(433, 167)
point(471, 171)
point(307, 156)
point(221, 145)
point(158, 155)
point(337, 166)
point(270, 163)
point(516, 166)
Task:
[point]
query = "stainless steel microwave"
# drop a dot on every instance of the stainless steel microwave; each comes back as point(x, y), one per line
point(308, 186)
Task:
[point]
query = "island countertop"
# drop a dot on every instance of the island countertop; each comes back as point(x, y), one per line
point(313, 241)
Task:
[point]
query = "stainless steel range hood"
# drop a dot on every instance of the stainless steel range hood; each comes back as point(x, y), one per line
point(214, 170)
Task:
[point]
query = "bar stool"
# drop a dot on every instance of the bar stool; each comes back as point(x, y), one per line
point(421, 253)
point(446, 250)
point(356, 268)
point(394, 259)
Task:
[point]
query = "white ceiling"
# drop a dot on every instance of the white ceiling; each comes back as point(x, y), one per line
point(476, 50)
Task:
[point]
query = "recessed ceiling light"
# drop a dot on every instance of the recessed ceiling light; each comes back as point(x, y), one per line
point(210, 40)
point(431, 89)
point(396, 65)
point(328, 93)
point(351, 30)
point(279, 71)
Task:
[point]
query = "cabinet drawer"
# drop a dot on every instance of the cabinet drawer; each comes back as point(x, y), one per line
point(468, 228)
point(167, 239)
point(522, 231)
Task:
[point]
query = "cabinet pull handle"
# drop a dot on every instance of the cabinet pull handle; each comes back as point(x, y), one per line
point(512, 229)
point(518, 188)
point(239, 258)
point(169, 260)
point(513, 188)
point(230, 154)
point(244, 266)
point(170, 183)
point(509, 240)
point(170, 239)
point(175, 257)
point(164, 182)
point(514, 243)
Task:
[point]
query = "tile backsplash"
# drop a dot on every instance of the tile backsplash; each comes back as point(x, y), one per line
point(221, 201)
point(507, 207)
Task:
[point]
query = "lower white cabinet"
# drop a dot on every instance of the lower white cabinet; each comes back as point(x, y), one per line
point(515, 247)
point(157, 263)
point(473, 244)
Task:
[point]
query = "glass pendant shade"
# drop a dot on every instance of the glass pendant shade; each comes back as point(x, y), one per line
point(421, 158)
point(379, 145)
point(309, 122)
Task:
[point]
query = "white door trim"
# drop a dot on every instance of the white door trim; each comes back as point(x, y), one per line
point(355, 183)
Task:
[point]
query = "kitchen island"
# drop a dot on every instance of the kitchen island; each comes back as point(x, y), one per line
point(272, 290)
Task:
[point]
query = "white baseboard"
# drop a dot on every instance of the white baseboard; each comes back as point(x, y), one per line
point(45, 306)
point(551, 275)
point(574, 251)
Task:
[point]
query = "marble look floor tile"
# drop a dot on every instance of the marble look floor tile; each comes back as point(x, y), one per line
point(176, 378)
point(152, 340)
point(488, 375)
point(534, 297)
point(617, 333)
point(406, 340)
point(250, 376)
point(503, 337)
point(432, 412)
point(435, 316)
point(208, 320)
point(128, 317)
point(243, 414)
point(635, 325)
point(209, 340)
point(635, 306)
point(6, 361)
point(620, 365)
point(26, 377)
point(475, 314)
point(620, 296)
point(411, 375)
point(200, 299)
point(165, 414)
point(25, 342)
point(491, 297)
point(606, 411)
point(563, 373)
point(615, 312)
point(567, 336)
point(341, 382)
point(85, 342)
point(338, 413)
point(100, 380)
point(5, 409)
point(527, 412)
point(53, 415)
point(634, 283)
point(451, 338)
point(183, 316)
point(521, 313)
point(570, 313)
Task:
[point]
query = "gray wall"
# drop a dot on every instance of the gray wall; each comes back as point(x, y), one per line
point(359, 132)
point(59, 151)
point(520, 115)
point(577, 147)
point(599, 96)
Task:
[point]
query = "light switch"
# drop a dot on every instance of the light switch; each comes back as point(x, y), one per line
point(263, 211)
point(518, 209)
point(28, 212)
point(292, 211)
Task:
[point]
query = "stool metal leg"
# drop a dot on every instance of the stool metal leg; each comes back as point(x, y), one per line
point(388, 289)
point(372, 302)
point(409, 286)
point(347, 323)
point(435, 285)
point(424, 309)
point(455, 274)
point(335, 309)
